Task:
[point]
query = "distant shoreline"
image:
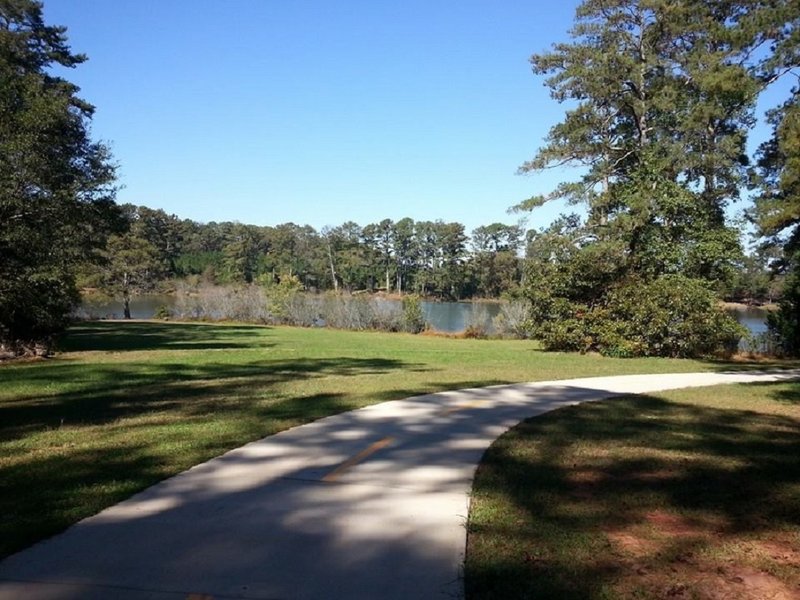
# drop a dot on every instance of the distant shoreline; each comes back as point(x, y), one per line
point(742, 306)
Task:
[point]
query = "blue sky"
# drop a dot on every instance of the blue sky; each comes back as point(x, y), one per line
point(319, 112)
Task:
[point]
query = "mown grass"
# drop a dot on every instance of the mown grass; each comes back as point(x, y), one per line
point(127, 404)
point(687, 494)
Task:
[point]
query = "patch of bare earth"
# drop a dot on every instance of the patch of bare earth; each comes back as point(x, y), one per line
point(667, 556)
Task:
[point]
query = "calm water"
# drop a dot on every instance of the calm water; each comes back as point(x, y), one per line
point(142, 307)
point(755, 319)
point(450, 317)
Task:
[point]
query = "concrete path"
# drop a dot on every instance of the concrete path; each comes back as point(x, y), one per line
point(367, 504)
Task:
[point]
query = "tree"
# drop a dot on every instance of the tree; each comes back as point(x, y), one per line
point(382, 238)
point(450, 274)
point(405, 252)
point(132, 268)
point(662, 94)
point(163, 231)
point(494, 258)
point(56, 185)
point(777, 214)
point(241, 252)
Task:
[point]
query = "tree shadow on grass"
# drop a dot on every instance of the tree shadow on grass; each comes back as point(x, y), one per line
point(789, 394)
point(128, 336)
point(580, 472)
point(108, 391)
point(764, 364)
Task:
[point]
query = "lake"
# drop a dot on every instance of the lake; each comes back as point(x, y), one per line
point(449, 317)
point(752, 317)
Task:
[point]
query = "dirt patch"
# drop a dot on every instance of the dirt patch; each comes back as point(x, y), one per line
point(778, 550)
point(635, 545)
point(672, 525)
point(700, 580)
point(654, 534)
point(743, 583)
point(666, 555)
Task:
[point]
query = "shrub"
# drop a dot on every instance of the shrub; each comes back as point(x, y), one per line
point(247, 303)
point(280, 298)
point(386, 316)
point(672, 316)
point(303, 310)
point(478, 323)
point(514, 320)
point(413, 317)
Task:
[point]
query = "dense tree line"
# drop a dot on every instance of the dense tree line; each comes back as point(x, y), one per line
point(433, 259)
point(430, 258)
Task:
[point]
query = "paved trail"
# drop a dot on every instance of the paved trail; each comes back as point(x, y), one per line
point(366, 504)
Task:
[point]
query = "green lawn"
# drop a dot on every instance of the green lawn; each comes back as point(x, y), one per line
point(127, 404)
point(688, 494)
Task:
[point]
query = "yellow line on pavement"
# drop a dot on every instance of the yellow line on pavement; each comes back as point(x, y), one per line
point(353, 460)
point(453, 409)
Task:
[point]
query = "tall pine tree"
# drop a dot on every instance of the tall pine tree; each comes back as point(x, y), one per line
point(661, 95)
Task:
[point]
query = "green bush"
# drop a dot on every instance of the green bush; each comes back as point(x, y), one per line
point(672, 316)
point(280, 297)
point(413, 317)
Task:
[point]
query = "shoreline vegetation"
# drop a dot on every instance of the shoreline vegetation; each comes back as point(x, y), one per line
point(289, 305)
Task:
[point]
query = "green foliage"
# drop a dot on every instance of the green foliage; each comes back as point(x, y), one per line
point(413, 316)
point(198, 263)
point(131, 268)
point(672, 316)
point(281, 295)
point(784, 324)
point(777, 214)
point(661, 95)
point(56, 189)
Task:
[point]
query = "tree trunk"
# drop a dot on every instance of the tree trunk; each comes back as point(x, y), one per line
point(126, 296)
point(333, 270)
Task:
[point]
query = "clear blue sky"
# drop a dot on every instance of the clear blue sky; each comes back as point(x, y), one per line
point(318, 112)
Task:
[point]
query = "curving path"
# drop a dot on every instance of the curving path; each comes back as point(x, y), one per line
point(366, 504)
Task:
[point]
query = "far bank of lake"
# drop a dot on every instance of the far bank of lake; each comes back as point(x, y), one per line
point(447, 317)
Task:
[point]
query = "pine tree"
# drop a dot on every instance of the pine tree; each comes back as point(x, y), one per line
point(661, 95)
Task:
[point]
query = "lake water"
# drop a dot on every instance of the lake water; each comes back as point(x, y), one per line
point(754, 318)
point(449, 317)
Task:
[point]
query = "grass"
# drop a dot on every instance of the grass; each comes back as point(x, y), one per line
point(686, 494)
point(125, 405)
